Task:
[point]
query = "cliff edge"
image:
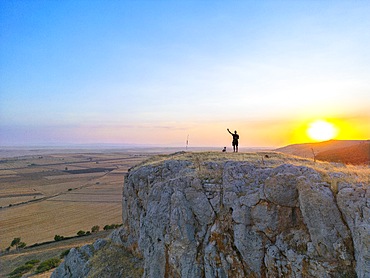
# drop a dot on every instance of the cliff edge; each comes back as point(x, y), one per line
point(241, 215)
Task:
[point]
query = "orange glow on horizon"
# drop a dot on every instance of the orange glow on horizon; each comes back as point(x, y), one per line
point(277, 132)
point(321, 130)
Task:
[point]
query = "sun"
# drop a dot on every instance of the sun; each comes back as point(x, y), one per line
point(321, 130)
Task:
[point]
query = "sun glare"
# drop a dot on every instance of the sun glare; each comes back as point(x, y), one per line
point(321, 130)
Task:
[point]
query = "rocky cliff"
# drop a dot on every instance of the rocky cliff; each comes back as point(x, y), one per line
point(243, 215)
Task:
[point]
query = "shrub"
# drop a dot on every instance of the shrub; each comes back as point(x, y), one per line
point(64, 253)
point(32, 262)
point(81, 233)
point(19, 271)
point(95, 229)
point(47, 265)
point(58, 237)
point(22, 245)
point(112, 226)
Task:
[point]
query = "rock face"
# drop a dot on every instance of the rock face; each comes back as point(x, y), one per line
point(244, 219)
point(76, 263)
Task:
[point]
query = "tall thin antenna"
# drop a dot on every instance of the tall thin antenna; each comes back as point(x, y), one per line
point(187, 142)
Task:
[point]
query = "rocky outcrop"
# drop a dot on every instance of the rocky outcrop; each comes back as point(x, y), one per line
point(103, 259)
point(76, 263)
point(188, 218)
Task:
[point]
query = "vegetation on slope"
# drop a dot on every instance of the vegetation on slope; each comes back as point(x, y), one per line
point(357, 154)
point(115, 261)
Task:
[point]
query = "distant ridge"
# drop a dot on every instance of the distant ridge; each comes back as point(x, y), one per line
point(357, 154)
point(344, 151)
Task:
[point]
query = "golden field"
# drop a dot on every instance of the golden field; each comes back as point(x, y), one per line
point(59, 194)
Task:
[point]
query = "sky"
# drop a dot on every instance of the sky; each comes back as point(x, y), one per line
point(161, 72)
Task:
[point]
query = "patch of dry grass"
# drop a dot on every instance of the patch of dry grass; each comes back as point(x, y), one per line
point(115, 261)
point(348, 173)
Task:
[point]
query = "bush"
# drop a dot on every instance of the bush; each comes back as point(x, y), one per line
point(58, 237)
point(95, 229)
point(112, 226)
point(64, 253)
point(32, 262)
point(19, 271)
point(81, 233)
point(47, 265)
point(22, 245)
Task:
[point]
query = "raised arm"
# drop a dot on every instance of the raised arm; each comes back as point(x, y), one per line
point(229, 131)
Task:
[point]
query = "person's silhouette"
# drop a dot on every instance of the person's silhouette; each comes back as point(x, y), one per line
point(235, 142)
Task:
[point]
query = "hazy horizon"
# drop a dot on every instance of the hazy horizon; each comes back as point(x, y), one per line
point(130, 145)
point(164, 72)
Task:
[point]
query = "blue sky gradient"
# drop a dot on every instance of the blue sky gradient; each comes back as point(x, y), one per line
point(152, 72)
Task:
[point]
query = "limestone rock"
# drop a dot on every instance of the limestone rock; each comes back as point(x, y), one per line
point(281, 189)
point(75, 264)
point(191, 219)
point(354, 203)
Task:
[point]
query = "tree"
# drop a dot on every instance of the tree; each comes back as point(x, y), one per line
point(15, 242)
point(314, 155)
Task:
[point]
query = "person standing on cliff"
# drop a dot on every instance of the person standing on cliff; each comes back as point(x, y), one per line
point(235, 142)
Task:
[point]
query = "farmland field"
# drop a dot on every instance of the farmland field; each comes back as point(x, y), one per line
point(46, 194)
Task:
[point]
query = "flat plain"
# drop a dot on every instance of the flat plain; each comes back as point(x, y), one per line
point(46, 194)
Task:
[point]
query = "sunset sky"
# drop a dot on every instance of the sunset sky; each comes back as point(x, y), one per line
point(156, 72)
